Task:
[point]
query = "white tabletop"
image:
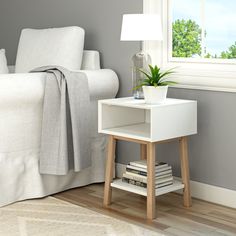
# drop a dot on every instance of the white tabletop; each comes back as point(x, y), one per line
point(140, 103)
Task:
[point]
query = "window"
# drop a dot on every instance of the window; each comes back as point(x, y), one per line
point(199, 40)
point(203, 29)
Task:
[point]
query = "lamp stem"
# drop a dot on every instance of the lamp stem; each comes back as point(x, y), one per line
point(142, 46)
point(140, 61)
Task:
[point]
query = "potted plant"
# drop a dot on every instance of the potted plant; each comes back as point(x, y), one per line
point(155, 86)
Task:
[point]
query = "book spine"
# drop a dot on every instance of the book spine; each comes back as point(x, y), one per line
point(157, 170)
point(136, 171)
point(164, 176)
point(164, 180)
point(134, 182)
point(165, 172)
point(144, 185)
point(157, 166)
point(144, 166)
point(135, 177)
point(164, 184)
point(136, 168)
point(144, 173)
point(143, 178)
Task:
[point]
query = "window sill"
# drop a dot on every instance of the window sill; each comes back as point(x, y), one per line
point(205, 83)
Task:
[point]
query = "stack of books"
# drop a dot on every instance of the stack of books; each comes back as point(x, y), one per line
point(136, 174)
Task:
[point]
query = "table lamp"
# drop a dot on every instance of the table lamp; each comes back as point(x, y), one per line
point(140, 27)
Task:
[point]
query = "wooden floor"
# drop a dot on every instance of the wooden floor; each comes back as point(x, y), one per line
point(173, 219)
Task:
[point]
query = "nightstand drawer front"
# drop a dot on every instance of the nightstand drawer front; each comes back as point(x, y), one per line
point(169, 122)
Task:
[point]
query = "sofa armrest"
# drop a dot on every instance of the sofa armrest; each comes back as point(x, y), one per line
point(103, 83)
point(29, 87)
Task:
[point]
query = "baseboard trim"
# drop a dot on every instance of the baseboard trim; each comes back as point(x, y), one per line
point(206, 192)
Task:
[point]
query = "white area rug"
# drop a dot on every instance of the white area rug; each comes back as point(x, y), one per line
point(53, 217)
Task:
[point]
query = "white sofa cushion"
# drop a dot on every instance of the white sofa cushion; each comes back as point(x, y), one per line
point(54, 46)
point(3, 62)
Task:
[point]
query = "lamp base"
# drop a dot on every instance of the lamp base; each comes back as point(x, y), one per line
point(140, 61)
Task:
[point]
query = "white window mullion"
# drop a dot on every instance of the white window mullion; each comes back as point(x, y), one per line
point(168, 29)
point(203, 26)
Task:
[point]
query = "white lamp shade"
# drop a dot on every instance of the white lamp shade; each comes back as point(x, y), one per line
point(141, 27)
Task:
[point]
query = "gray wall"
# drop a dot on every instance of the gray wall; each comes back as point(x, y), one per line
point(212, 151)
point(101, 20)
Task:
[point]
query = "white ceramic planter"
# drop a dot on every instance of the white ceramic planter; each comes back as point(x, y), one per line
point(155, 95)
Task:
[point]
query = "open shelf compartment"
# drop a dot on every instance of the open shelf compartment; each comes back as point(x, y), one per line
point(117, 183)
point(123, 121)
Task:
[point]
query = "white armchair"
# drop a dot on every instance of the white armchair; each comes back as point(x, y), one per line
point(21, 102)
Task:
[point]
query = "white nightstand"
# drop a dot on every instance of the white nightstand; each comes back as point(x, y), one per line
point(132, 120)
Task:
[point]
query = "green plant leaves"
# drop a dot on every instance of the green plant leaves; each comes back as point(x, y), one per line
point(146, 74)
point(156, 77)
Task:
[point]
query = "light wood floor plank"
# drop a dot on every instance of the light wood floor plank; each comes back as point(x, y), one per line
point(202, 218)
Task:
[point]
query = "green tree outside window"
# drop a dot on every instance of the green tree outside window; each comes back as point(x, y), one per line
point(231, 53)
point(186, 41)
point(186, 38)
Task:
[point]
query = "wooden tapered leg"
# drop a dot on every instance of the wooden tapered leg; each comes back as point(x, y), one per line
point(151, 201)
point(185, 171)
point(109, 170)
point(143, 151)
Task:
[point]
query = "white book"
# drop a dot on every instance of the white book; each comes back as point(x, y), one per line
point(164, 180)
point(135, 177)
point(163, 184)
point(163, 176)
point(167, 178)
point(143, 164)
point(165, 172)
point(161, 168)
point(159, 174)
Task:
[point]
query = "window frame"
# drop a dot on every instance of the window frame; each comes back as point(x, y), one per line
point(205, 74)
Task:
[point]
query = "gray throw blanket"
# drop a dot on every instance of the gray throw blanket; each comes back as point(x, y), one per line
point(65, 141)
